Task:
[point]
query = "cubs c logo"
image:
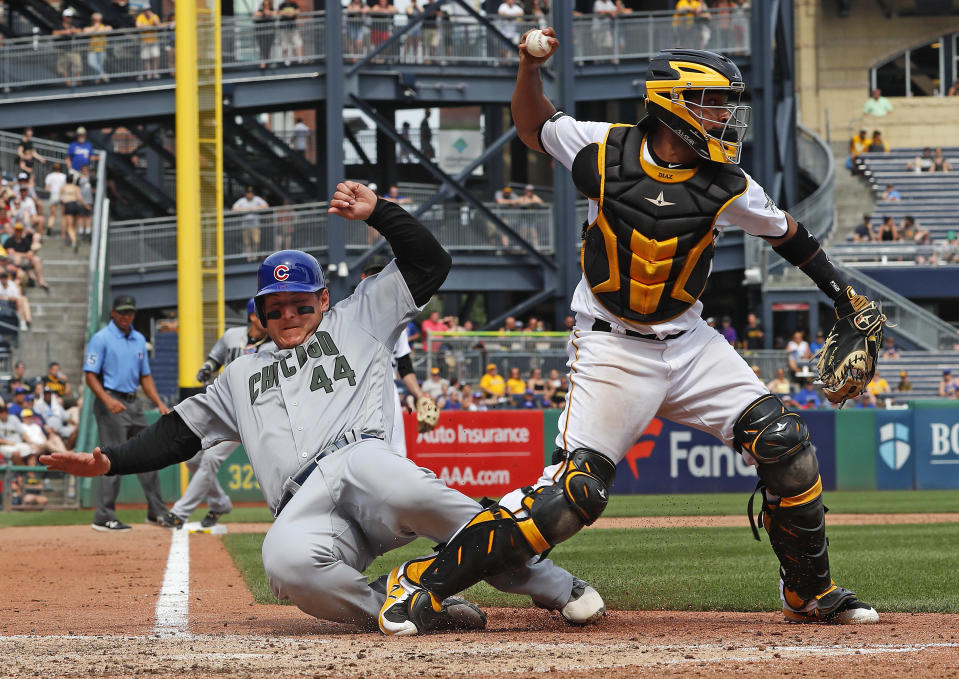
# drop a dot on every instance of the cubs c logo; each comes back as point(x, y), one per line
point(281, 272)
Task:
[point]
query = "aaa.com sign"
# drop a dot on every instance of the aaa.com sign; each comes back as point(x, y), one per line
point(488, 453)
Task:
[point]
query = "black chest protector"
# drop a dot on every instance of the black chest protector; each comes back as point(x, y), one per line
point(647, 255)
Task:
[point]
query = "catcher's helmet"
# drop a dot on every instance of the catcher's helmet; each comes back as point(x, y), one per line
point(286, 271)
point(677, 83)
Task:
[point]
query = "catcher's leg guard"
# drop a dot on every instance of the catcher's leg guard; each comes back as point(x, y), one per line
point(787, 468)
point(495, 541)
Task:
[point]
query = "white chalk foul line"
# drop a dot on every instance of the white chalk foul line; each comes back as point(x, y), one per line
point(173, 605)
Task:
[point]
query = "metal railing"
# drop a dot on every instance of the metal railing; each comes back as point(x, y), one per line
point(923, 327)
point(141, 245)
point(895, 254)
point(144, 53)
point(817, 210)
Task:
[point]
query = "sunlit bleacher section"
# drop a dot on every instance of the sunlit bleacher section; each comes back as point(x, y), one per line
point(931, 198)
point(924, 370)
point(37, 60)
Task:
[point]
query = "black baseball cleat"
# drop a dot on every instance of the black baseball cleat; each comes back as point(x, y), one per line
point(112, 526)
point(170, 520)
point(210, 519)
point(456, 614)
point(837, 605)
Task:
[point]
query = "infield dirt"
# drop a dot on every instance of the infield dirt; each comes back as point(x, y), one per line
point(77, 603)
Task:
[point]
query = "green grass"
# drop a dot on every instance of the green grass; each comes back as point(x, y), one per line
point(133, 517)
point(895, 568)
point(851, 502)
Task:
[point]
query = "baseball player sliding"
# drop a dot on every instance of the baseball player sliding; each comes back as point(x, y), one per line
point(204, 466)
point(314, 416)
point(659, 193)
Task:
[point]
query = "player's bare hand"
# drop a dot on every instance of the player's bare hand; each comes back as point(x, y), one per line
point(352, 200)
point(162, 407)
point(78, 464)
point(527, 58)
point(115, 406)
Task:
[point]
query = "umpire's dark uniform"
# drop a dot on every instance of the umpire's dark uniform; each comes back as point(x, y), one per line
point(115, 366)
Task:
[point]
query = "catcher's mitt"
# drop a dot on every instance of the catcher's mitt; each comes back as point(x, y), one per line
point(427, 414)
point(847, 360)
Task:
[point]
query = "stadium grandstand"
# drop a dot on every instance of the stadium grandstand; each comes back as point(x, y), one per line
point(412, 98)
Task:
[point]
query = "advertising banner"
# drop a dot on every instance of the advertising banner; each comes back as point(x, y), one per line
point(895, 462)
point(481, 453)
point(936, 439)
point(672, 458)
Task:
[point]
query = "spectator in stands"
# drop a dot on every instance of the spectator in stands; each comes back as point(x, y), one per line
point(878, 384)
point(505, 197)
point(528, 401)
point(73, 208)
point(878, 144)
point(19, 401)
point(558, 398)
point(807, 397)
point(26, 144)
point(866, 400)
point(552, 383)
point(432, 324)
point(426, 136)
point(13, 297)
point(798, 353)
point(434, 385)
point(779, 385)
point(888, 233)
point(148, 22)
point(300, 138)
point(921, 163)
point(20, 250)
point(864, 232)
point(54, 181)
point(858, 145)
point(50, 408)
point(170, 47)
point(41, 437)
point(904, 383)
point(948, 251)
point(891, 194)
point(529, 198)
point(939, 162)
point(264, 29)
point(97, 46)
point(69, 61)
point(889, 349)
point(510, 13)
point(947, 385)
point(13, 446)
point(472, 402)
point(56, 381)
point(27, 212)
point(85, 185)
point(911, 232)
point(727, 330)
point(251, 204)
point(393, 195)
point(537, 384)
point(515, 385)
point(817, 343)
point(753, 334)
point(290, 42)
point(80, 152)
point(492, 385)
point(877, 105)
point(118, 15)
point(16, 380)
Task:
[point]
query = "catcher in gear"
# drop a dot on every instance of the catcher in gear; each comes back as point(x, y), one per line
point(659, 193)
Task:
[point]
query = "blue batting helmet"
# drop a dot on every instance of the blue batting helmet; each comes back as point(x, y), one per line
point(286, 271)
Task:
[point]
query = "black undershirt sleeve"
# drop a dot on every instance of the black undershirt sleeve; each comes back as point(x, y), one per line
point(167, 441)
point(404, 365)
point(420, 257)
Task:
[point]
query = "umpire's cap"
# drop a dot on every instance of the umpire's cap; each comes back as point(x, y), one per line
point(124, 303)
point(286, 271)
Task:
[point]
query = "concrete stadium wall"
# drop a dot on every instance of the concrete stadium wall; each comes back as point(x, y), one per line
point(833, 59)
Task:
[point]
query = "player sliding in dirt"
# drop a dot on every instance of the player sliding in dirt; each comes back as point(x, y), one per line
point(659, 192)
point(315, 416)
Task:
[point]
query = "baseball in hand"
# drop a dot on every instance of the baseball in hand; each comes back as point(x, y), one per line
point(537, 44)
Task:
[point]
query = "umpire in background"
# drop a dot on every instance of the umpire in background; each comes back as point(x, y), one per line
point(116, 364)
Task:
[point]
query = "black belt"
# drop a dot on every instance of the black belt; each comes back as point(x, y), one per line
point(122, 395)
point(295, 482)
point(603, 326)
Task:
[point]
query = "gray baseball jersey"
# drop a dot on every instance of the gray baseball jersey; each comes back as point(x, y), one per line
point(235, 343)
point(287, 405)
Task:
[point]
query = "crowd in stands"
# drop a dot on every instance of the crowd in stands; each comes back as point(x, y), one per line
point(37, 415)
